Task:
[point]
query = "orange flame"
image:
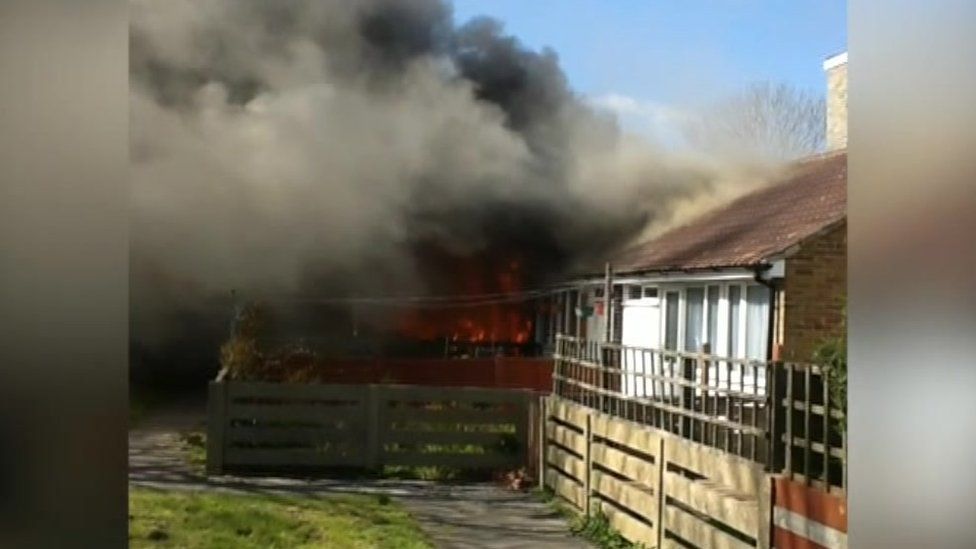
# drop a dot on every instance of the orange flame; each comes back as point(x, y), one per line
point(496, 322)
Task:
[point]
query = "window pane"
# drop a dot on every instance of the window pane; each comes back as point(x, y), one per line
point(757, 321)
point(734, 297)
point(712, 318)
point(694, 315)
point(671, 322)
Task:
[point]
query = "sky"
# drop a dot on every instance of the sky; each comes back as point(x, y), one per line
point(649, 60)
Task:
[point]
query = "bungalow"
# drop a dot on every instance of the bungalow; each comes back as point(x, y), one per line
point(763, 277)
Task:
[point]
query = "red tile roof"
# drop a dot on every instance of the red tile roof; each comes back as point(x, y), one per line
point(753, 228)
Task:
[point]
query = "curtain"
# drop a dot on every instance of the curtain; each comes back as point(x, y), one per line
point(694, 315)
point(735, 296)
point(757, 321)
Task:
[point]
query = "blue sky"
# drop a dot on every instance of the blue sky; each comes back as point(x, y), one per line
point(645, 57)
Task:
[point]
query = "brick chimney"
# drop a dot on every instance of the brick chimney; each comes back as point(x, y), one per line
point(836, 69)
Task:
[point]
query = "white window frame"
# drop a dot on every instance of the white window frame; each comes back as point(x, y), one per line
point(663, 292)
point(719, 347)
point(743, 320)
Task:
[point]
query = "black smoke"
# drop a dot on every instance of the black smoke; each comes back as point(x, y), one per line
point(304, 148)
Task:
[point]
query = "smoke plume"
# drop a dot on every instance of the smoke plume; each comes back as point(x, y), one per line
point(304, 147)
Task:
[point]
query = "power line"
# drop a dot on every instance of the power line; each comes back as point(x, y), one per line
point(432, 301)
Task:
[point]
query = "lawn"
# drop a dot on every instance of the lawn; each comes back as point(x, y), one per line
point(196, 520)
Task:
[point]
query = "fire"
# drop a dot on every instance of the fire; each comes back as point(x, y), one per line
point(489, 316)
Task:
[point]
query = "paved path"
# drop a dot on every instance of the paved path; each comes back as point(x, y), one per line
point(486, 516)
point(473, 515)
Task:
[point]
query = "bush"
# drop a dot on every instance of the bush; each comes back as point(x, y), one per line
point(240, 356)
point(247, 353)
point(831, 354)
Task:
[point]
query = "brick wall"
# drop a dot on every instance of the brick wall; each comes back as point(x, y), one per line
point(814, 293)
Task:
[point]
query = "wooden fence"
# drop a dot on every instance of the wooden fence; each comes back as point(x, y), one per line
point(496, 372)
point(715, 426)
point(809, 437)
point(655, 488)
point(271, 427)
point(718, 402)
point(810, 460)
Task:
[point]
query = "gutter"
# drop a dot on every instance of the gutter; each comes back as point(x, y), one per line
point(758, 277)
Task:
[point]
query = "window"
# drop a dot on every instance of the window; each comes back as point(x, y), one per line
point(731, 318)
point(671, 321)
point(757, 321)
point(650, 291)
point(694, 317)
point(634, 292)
point(712, 337)
point(733, 341)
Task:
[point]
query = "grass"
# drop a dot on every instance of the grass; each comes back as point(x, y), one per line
point(421, 472)
point(195, 447)
point(208, 520)
point(595, 528)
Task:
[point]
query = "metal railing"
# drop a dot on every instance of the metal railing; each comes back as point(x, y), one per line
point(769, 412)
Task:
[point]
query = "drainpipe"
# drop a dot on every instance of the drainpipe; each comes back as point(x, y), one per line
point(757, 276)
point(773, 421)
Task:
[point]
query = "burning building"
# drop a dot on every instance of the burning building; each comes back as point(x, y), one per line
point(331, 155)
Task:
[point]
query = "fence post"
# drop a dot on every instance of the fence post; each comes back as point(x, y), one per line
point(524, 426)
point(687, 397)
point(660, 468)
point(587, 462)
point(543, 420)
point(216, 419)
point(701, 370)
point(374, 399)
point(765, 526)
point(702, 365)
point(779, 416)
point(602, 384)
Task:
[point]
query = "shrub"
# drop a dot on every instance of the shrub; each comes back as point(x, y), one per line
point(831, 354)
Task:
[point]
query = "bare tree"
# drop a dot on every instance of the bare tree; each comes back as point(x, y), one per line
point(774, 122)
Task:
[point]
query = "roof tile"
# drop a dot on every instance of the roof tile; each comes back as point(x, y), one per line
point(753, 228)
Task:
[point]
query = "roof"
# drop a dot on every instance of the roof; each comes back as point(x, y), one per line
point(753, 229)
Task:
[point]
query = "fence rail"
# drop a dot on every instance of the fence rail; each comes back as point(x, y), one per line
point(655, 488)
point(703, 398)
point(494, 373)
point(809, 429)
point(777, 414)
point(276, 426)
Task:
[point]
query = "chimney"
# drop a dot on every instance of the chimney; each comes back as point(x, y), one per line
point(836, 69)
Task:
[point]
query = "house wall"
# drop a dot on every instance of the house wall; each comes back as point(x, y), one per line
point(814, 293)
